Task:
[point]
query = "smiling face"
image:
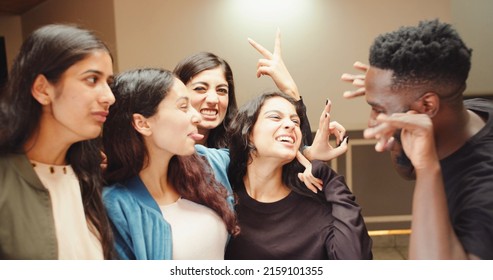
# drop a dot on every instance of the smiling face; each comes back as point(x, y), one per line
point(210, 97)
point(80, 100)
point(173, 128)
point(276, 134)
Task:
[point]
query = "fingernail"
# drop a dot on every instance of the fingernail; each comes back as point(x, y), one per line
point(346, 138)
point(326, 101)
point(326, 114)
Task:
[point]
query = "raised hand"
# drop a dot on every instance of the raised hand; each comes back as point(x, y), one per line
point(272, 65)
point(416, 131)
point(321, 149)
point(358, 80)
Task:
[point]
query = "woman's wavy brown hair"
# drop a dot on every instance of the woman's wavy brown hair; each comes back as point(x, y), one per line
point(140, 91)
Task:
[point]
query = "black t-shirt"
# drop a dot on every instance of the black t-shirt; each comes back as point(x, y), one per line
point(468, 178)
point(300, 227)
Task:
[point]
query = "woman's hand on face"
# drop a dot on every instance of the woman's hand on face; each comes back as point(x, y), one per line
point(272, 65)
point(321, 149)
point(358, 80)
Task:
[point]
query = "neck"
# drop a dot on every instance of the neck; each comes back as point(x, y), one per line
point(204, 132)
point(45, 148)
point(155, 178)
point(455, 130)
point(263, 182)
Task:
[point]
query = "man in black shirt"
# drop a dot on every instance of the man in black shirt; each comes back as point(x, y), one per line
point(414, 85)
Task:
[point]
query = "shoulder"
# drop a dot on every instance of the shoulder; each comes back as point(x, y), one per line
point(120, 201)
point(481, 105)
point(117, 199)
point(322, 170)
point(15, 170)
point(13, 162)
point(213, 153)
point(218, 158)
point(116, 192)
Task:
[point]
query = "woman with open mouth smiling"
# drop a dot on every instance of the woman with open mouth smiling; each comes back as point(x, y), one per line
point(211, 81)
point(278, 216)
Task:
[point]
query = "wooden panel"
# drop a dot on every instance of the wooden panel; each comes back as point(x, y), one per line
point(17, 7)
point(384, 196)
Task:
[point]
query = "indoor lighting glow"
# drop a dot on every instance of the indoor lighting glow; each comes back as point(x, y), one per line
point(271, 10)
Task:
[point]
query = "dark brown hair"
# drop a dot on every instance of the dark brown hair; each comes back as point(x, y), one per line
point(194, 65)
point(50, 51)
point(140, 91)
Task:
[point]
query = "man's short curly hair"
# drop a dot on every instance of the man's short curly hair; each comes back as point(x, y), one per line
point(431, 53)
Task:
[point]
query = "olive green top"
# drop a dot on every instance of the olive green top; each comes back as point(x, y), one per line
point(27, 226)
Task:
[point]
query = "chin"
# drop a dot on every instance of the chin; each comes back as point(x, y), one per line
point(91, 135)
point(288, 157)
point(209, 124)
point(187, 151)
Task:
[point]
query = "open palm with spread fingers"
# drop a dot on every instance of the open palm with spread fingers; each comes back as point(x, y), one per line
point(358, 80)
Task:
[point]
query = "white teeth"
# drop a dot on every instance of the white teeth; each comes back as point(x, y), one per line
point(208, 112)
point(285, 139)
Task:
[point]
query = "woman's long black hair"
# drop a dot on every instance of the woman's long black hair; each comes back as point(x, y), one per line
point(50, 51)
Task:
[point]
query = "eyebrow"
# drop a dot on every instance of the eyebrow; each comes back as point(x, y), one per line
point(207, 84)
point(279, 112)
point(182, 98)
point(101, 73)
point(93, 71)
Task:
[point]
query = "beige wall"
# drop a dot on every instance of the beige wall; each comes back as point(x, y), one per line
point(474, 22)
point(321, 39)
point(97, 15)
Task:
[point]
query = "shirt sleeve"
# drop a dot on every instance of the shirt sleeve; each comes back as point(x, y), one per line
point(350, 239)
point(305, 124)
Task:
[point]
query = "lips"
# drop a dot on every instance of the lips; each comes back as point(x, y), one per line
point(100, 116)
point(209, 112)
point(285, 139)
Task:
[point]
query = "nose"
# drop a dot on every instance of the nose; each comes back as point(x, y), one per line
point(107, 95)
point(289, 124)
point(195, 116)
point(212, 97)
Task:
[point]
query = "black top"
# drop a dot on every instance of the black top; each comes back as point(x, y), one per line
point(468, 178)
point(300, 227)
point(305, 124)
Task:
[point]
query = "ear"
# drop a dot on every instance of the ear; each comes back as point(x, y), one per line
point(141, 124)
point(42, 90)
point(429, 104)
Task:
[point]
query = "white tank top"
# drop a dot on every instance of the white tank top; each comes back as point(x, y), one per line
point(198, 232)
